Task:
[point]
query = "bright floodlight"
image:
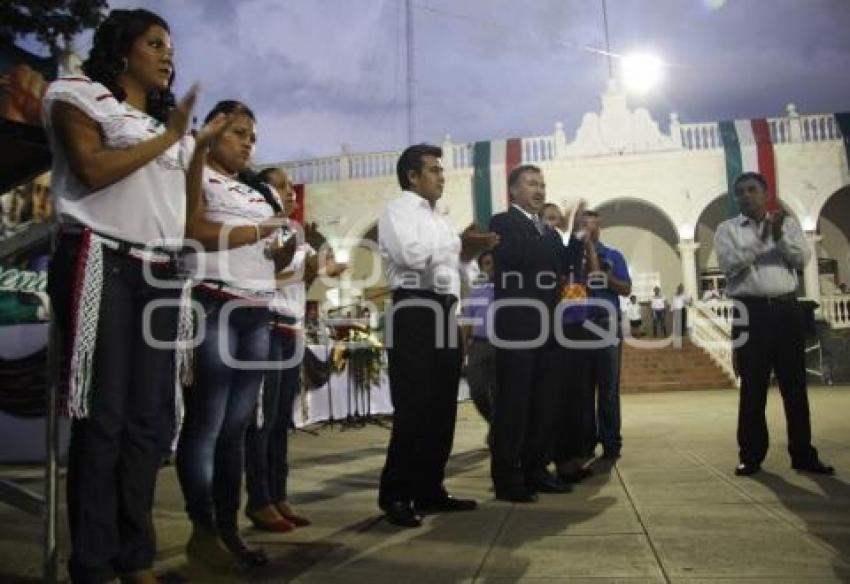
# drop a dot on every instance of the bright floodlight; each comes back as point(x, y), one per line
point(641, 72)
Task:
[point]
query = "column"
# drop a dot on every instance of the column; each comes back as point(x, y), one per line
point(345, 163)
point(688, 253)
point(676, 130)
point(795, 125)
point(560, 141)
point(811, 277)
point(448, 152)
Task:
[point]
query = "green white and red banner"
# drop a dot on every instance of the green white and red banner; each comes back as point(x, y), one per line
point(749, 148)
point(492, 161)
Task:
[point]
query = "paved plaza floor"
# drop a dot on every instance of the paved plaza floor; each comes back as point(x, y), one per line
point(670, 510)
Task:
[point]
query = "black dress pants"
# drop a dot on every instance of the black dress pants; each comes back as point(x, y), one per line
point(424, 388)
point(775, 343)
point(525, 413)
point(577, 393)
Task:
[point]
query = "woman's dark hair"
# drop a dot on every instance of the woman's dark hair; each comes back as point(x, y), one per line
point(229, 106)
point(266, 173)
point(108, 56)
point(256, 182)
point(249, 177)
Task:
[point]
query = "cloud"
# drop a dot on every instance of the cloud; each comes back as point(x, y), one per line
point(319, 73)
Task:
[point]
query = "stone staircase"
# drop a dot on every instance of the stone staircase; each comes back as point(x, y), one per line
point(670, 369)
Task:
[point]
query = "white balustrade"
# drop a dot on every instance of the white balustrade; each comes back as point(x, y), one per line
point(536, 149)
point(815, 128)
point(820, 128)
point(711, 330)
point(780, 130)
point(700, 136)
point(836, 310)
point(372, 165)
point(461, 155)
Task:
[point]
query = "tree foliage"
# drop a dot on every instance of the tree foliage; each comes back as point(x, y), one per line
point(50, 21)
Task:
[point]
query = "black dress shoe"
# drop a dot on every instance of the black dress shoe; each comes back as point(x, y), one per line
point(814, 466)
point(515, 495)
point(248, 557)
point(576, 476)
point(445, 504)
point(401, 513)
point(544, 482)
point(746, 469)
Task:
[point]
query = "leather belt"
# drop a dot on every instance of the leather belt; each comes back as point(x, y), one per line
point(768, 300)
point(227, 292)
point(139, 251)
point(443, 299)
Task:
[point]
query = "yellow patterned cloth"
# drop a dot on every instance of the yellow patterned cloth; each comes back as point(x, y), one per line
point(574, 291)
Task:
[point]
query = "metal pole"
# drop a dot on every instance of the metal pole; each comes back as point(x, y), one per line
point(410, 64)
point(607, 39)
point(51, 443)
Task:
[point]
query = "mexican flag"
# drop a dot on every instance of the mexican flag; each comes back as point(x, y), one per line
point(492, 161)
point(748, 148)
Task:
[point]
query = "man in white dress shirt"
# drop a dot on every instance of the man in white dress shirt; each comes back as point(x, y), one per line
point(424, 260)
point(760, 253)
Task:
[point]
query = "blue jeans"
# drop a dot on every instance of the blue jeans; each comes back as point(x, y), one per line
point(659, 322)
point(218, 409)
point(267, 446)
point(605, 377)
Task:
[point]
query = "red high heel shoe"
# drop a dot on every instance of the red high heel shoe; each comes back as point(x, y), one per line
point(294, 518)
point(281, 525)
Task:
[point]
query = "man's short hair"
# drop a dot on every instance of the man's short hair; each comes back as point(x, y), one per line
point(513, 176)
point(411, 159)
point(548, 206)
point(590, 213)
point(747, 176)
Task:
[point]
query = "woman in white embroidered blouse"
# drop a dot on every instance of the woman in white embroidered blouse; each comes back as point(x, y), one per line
point(120, 155)
point(236, 224)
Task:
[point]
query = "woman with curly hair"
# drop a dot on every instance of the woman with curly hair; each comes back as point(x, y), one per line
point(120, 157)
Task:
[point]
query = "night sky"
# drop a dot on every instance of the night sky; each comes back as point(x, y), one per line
point(322, 73)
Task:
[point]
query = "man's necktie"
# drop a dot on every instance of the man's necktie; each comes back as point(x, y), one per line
point(538, 224)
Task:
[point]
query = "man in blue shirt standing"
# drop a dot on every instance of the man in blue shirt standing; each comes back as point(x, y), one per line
point(606, 288)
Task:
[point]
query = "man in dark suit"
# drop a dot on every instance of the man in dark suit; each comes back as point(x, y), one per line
point(530, 260)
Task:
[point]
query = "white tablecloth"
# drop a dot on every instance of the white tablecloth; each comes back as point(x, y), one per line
point(313, 405)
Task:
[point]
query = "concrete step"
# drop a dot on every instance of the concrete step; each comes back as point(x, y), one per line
point(670, 369)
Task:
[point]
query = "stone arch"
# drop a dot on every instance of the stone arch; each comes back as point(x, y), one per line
point(647, 236)
point(710, 217)
point(823, 197)
point(833, 249)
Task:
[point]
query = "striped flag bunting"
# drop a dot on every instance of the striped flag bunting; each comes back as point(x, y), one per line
point(748, 148)
point(492, 161)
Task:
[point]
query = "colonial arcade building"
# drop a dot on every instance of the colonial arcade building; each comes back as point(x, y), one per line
point(661, 194)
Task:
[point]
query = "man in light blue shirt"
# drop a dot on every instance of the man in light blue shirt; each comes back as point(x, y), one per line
point(760, 253)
